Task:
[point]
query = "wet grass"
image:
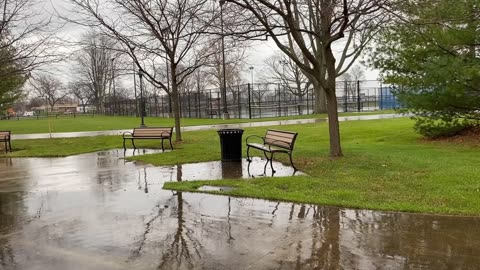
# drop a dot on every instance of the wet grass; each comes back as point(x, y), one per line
point(97, 123)
point(386, 167)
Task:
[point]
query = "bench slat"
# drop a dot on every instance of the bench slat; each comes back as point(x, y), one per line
point(266, 148)
point(279, 138)
point(152, 132)
point(281, 134)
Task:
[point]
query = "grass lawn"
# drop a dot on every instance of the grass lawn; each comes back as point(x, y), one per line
point(386, 167)
point(96, 123)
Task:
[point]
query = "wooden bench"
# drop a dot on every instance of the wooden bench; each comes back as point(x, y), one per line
point(149, 133)
point(5, 138)
point(274, 141)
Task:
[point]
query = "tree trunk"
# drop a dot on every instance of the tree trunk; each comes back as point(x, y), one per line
point(176, 107)
point(333, 124)
point(320, 100)
point(332, 110)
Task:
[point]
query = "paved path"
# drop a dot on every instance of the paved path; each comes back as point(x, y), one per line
point(205, 127)
point(96, 211)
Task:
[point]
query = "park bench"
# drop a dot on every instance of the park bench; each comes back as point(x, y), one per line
point(274, 141)
point(149, 133)
point(5, 139)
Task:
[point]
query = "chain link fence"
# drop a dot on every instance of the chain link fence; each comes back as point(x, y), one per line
point(260, 101)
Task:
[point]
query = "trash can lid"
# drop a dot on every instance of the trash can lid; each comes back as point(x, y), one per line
point(230, 130)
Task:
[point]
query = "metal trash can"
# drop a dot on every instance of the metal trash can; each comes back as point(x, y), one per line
point(231, 144)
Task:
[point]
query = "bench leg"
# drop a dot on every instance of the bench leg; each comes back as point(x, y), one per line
point(133, 143)
point(269, 160)
point(271, 163)
point(10, 145)
point(163, 149)
point(248, 170)
point(291, 162)
point(248, 154)
point(265, 168)
point(170, 140)
point(124, 148)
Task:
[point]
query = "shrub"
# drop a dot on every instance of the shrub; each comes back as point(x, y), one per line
point(435, 126)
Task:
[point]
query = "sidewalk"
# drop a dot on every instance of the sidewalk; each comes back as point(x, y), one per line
point(205, 127)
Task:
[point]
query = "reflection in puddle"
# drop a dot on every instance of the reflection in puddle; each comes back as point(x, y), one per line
point(215, 188)
point(215, 170)
point(96, 211)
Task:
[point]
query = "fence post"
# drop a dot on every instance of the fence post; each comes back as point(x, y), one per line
point(380, 102)
point(219, 106)
point(249, 101)
point(307, 102)
point(279, 101)
point(189, 104)
point(358, 96)
point(239, 103)
point(196, 104)
point(345, 96)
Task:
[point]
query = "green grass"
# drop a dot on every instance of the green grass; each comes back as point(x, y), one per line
point(386, 167)
point(96, 123)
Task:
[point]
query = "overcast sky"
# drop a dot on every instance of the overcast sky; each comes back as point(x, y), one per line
point(256, 55)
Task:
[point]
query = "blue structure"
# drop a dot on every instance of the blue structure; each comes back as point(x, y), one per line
point(387, 100)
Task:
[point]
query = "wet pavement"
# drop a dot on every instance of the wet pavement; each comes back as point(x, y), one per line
point(97, 211)
point(205, 127)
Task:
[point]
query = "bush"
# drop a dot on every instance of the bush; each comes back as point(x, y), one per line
point(435, 127)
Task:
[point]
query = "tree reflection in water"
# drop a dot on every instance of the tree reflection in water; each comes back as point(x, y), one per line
point(322, 250)
point(183, 250)
point(13, 212)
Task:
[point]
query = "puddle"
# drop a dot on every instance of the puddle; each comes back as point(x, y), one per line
point(215, 170)
point(96, 211)
point(215, 188)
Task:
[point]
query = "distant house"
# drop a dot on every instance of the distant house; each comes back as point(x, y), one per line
point(58, 108)
point(88, 108)
point(11, 112)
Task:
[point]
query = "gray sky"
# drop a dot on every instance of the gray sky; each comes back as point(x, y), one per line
point(256, 55)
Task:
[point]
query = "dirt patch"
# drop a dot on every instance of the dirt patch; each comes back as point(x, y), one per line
point(469, 136)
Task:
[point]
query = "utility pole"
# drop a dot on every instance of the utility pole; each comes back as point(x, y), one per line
point(224, 90)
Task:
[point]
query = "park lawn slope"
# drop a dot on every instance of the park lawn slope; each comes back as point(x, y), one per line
point(386, 167)
point(100, 123)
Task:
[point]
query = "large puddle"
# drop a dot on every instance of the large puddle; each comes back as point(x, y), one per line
point(96, 211)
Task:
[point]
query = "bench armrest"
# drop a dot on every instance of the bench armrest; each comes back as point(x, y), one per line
point(273, 142)
point(127, 133)
point(256, 136)
point(166, 133)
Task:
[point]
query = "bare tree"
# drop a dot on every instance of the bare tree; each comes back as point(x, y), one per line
point(159, 30)
point(235, 53)
point(25, 27)
point(81, 91)
point(314, 28)
point(50, 89)
point(95, 65)
point(351, 77)
point(283, 70)
point(27, 42)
